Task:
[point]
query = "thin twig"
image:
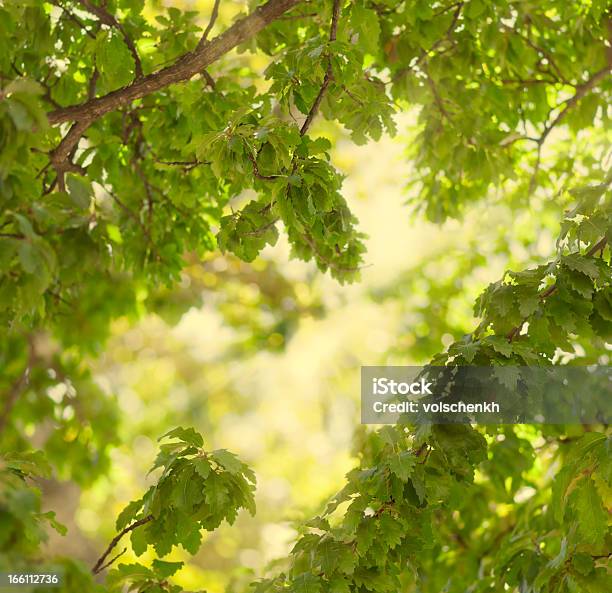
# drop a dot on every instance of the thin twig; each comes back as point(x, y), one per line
point(352, 95)
point(211, 23)
point(108, 19)
point(187, 165)
point(581, 91)
point(112, 560)
point(539, 50)
point(71, 16)
point(437, 98)
point(99, 565)
point(91, 87)
point(329, 74)
point(210, 81)
point(261, 230)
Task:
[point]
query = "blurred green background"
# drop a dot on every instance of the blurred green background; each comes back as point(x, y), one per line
point(264, 359)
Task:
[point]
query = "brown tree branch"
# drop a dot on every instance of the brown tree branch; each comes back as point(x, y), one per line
point(540, 51)
point(61, 157)
point(210, 81)
point(93, 81)
point(113, 559)
point(581, 91)
point(99, 565)
point(65, 148)
point(108, 19)
point(211, 23)
point(329, 74)
point(73, 18)
point(184, 68)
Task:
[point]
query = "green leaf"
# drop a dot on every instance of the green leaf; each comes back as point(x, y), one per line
point(113, 59)
point(581, 283)
point(128, 514)
point(468, 350)
point(508, 376)
point(528, 305)
point(187, 435)
point(79, 190)
point(306, 583)
point(500, 345)
point(339, 584)
point(33, 463)
point(59, 527)
point(583, 563)
point(402, 464)
point(591, 516)
point(364, 22)
point(202, 466)
point(580, 263)
point(139, 540)
point(228, 460)
point(164, 569)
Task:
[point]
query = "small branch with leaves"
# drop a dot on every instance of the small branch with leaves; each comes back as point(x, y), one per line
point(182, 69)
point(100, 565)
point(515, 331)
point(329, 74)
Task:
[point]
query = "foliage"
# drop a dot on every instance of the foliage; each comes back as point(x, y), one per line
point(134, 141)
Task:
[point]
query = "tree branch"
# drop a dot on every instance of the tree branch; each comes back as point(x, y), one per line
point(108, 19)
point(182, 69)
point(540, 51)
point(61, 157)
point(99, 565)
point(211, 23)
point(581, 91)
point(73, 18)
point(113, 559)
point(329, 74)
point(437, 98)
